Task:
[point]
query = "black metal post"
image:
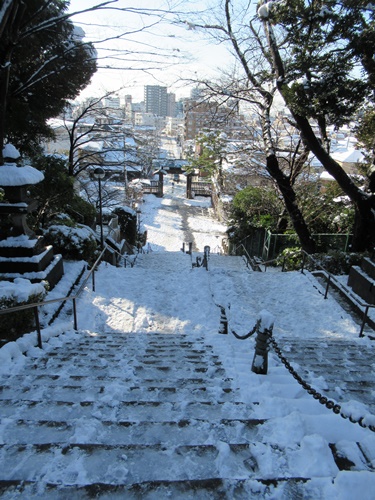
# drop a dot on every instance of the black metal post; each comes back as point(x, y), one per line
point(260, 360)
point(365, 314)
point(101, 215)
point(328, 283)
point(37, 324)
point(75, 314)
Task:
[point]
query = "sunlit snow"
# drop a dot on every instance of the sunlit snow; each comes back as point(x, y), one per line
point(163, 293)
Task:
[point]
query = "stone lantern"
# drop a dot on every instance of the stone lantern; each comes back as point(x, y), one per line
point(22, 253)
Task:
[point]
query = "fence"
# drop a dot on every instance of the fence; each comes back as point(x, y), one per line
point(267, 245)
point(152, 188)
point(274, 244)
point(201, 188)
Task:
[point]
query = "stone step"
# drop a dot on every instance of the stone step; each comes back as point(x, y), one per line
point(133, 464)
point(103, 383)
point(157, 411)
point(213, 488)
point(186, 431)
point(338, 365)
point(104, 393)
point(104, 369)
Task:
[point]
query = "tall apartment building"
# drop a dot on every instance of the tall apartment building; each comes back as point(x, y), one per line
point(171, 104)
point(156, 100)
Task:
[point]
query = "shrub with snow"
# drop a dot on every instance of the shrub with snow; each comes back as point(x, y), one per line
point(127, 219)
point(18, 293)
point(74, 243)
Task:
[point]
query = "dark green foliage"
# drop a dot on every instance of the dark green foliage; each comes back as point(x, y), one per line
point(338, 263)
point(54, 192)
point(14, 325)
point(325, 43)
point(290, 259)
point(81, 211)
point(335, 262)
point(127, 220)
point(56, 196)
point(49, 65)
point(212, 151)
point(326, 209)
point(254, 207)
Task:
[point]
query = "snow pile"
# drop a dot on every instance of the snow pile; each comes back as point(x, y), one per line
point(20, 289)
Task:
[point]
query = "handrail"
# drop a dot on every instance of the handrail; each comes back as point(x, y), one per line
point(249, 260)
point(36, 305)
point(346, 291)
point(256, 262)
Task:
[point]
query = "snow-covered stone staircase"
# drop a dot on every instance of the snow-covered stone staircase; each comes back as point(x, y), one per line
point(136, 416)
point(132, 414)
point(150, 415)
point(344, 369)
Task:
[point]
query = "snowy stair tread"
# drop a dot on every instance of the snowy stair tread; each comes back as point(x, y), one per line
point(340, 362)
point(210, 489)
point(153, 413)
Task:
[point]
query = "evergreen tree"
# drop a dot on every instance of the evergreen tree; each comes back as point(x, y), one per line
point(317, 74)
point(42, 64)
point(210, 155)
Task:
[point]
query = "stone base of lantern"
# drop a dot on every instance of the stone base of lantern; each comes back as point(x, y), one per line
point(21, 257)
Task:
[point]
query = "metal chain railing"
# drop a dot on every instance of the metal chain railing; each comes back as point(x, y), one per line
point(224, 319)
point(323, 400)
point(260, 360)
point(260, 363)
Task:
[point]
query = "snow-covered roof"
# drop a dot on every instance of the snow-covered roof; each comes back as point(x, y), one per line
point(349, 156)
point(93, 146)
point(325, 176)
point(130, 141)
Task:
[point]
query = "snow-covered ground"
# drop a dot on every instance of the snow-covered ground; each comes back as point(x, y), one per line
point(163, 293)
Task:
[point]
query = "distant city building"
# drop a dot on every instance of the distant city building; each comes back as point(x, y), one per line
point(112, 102)
point(180, 107)
point(171, 104)
point(174, 126)
point(196, 94)
point(156, 100)
point(201, 116)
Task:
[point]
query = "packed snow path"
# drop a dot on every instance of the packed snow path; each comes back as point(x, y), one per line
point(149, 401)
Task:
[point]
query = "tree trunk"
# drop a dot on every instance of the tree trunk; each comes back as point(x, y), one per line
point(364, 227)
point(364, 203)
point(4, 82)
point(289, 196)
point(13, 12)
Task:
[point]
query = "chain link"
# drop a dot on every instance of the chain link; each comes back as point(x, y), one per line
point(328, 403)
point(247, 335)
